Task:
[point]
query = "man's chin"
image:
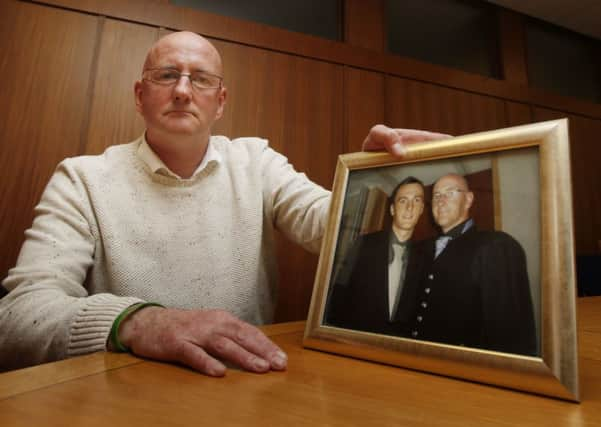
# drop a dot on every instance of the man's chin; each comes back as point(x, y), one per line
point(441, 224)
point(408, 226)
point(182, 128)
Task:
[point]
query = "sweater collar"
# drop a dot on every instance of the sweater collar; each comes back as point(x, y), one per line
point(156, 165)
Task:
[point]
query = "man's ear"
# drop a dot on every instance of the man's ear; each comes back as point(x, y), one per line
point(222, 98)
point(138, 96)
point(392, 209)
point(469, 199)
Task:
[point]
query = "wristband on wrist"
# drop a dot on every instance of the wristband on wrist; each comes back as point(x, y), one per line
point(114, 334)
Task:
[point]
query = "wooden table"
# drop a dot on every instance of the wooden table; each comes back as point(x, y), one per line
point(107, 389)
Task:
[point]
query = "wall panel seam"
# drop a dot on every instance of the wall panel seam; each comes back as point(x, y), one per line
point(85, 127)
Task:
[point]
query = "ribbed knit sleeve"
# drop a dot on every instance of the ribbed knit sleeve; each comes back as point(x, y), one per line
point(92, 323)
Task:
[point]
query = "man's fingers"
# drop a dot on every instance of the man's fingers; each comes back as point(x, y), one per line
point(198, 338)
point(256, 342)
point(415, 135)
point(226, 349)
point(194, 356)
point(382, 137)
point(395, 141)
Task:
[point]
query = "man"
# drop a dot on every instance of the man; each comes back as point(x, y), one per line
point(178, 218)
point(367, 292)
point(475, 289)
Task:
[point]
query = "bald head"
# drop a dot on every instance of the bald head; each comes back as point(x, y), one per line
point(184, 40)
point(455, 179)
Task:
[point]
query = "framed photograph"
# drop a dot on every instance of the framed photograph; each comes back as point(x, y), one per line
point(457, 260)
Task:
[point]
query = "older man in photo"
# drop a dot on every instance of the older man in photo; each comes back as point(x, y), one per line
point(475, 290)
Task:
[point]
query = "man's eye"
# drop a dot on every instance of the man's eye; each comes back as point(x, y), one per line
point(167, 75)
point(202, 80)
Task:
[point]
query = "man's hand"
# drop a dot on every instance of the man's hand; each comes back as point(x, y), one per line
point(200, 339)
point(395, 141)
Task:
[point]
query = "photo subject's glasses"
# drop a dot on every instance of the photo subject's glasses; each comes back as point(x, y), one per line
point(447, 194)
point(170, 76)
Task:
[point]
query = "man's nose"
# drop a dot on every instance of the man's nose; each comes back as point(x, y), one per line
point(183, 88)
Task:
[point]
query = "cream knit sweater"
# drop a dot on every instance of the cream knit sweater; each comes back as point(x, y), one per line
point(118, 228)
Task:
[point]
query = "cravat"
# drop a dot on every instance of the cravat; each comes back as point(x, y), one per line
point(395, 248)
point(441, 243)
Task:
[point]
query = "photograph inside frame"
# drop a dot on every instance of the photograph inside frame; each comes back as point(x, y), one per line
point(444, 251)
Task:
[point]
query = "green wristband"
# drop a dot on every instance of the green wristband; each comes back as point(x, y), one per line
point(114, 334)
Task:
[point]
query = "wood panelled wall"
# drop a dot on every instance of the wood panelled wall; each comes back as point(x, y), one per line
point(68, 69)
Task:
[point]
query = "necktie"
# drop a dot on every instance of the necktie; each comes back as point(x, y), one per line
point(441, 243)
point(396, 273)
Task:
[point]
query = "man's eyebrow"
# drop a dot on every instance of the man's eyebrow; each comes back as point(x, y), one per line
point(164, 66)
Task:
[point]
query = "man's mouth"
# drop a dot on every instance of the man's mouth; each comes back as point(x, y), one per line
point(180, 112)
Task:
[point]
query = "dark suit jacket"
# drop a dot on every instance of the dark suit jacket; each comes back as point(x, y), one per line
point(476, 294)
point(359, 296)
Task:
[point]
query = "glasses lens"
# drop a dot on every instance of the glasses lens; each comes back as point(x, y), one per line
point(204, 80)
point(165, 76)
point(449, 194)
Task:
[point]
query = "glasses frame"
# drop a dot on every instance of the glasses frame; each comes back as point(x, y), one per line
point(446, 195)
point(189, 75)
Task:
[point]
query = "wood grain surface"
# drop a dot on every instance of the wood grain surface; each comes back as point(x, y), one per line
point(318, 389)
point(586, 177)
point(364, 105)
point(426, 106)
point(43, 107)
point(121, 53)
point(163, 14)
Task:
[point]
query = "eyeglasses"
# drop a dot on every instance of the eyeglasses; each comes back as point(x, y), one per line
point(447, 194)
point(170, 76)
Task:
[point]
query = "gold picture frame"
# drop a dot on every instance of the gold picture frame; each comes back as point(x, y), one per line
point(553, 370)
